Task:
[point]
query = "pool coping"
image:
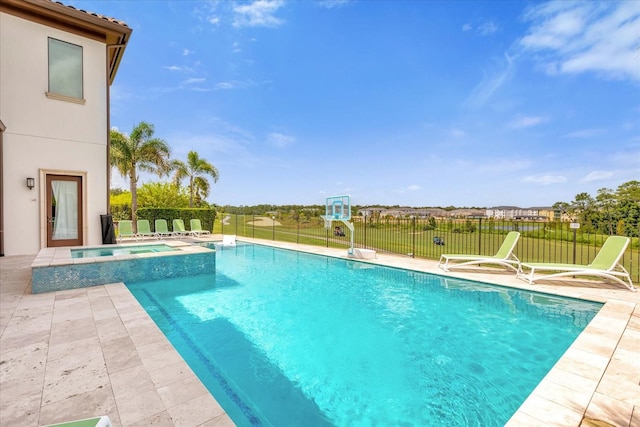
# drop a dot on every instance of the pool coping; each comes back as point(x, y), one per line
point(596, 379)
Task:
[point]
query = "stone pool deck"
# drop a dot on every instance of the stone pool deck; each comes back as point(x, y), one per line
point(94, 351)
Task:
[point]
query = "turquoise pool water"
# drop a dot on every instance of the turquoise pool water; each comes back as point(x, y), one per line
point(119, 250)
point(285, 338)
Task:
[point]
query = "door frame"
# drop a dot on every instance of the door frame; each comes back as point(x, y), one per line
point(43, 202)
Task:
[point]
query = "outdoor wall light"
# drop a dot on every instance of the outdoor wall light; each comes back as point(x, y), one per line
point(31, 183)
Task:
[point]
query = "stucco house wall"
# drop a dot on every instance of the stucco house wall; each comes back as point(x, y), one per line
point(49, 135)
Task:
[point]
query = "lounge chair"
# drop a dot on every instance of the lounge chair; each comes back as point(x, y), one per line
point(606, 264)
point(504, 256)
point(125, 230)
point(178, 228)
point(196, 228)
point(144, 229)
point(103, 421)
point(162, 229)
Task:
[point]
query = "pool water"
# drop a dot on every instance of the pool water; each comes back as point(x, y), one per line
point(286, 338)
point(119, 250)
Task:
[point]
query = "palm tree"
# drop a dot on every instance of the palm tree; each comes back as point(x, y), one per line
point(138, 151)
point(195, 168)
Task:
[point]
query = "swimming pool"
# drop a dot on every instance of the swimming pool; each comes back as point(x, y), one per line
point(288, 338)
point(120, 250)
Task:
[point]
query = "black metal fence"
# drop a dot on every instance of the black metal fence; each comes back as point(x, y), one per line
point(428, 238)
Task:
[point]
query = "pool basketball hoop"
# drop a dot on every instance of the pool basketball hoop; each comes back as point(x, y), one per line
point(338, 208)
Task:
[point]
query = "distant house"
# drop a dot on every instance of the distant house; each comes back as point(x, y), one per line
point(56, 66)
point(522, 214)
point(467, 213)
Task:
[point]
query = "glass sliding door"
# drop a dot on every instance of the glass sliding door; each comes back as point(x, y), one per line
point(64, 210)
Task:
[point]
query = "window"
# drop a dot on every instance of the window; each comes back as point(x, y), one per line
point(65, 69)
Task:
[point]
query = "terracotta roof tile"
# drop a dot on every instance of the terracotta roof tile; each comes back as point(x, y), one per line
point(97, 15)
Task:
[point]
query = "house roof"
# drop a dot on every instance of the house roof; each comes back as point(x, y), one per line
point(97, 15)
point(110, 31)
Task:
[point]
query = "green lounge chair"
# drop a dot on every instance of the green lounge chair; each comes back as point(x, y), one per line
point(125, 230)
point(504, 256)
point(178, 228)
point(196, 228)
point(162, 229)
point(144, 229)
point(103, 421)
point(606, 264)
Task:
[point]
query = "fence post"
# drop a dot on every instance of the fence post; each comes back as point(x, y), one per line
point(326, 236)
point(273, 228)
point(413, 237)
point(479, 236)
point(575, 231)
point(298, 236)
point(364, 217)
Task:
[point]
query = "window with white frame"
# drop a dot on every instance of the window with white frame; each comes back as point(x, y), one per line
point(65, 69)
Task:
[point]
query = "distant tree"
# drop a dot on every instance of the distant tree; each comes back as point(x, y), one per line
point(606, 202)
point(629, 191)
point(562, 207)
point(138, 151)
point(162, 195)
point(584, 208)
point(120, 198)
point(195, 169)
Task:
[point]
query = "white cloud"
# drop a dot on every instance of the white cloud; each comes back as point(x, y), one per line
point(545, 179)
point(487, 28)
point(577, 37)
point(414, 187)
point(526, 122)
point(187, 52)
point(491, 82)
point(330, 4)
point(260, 13)
point(280, 140)
point(195, 80)
point(597, 176)
point(467, 27)
point(584, 133)
point(178, 69)
point(232, 84)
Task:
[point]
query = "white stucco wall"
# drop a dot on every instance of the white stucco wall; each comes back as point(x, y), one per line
point(48, 134)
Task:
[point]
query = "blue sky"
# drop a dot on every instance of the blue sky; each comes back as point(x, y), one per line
point(416, 103)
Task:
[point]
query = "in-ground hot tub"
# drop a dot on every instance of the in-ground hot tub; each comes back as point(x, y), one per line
point(112, 250)
point(56, 269)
